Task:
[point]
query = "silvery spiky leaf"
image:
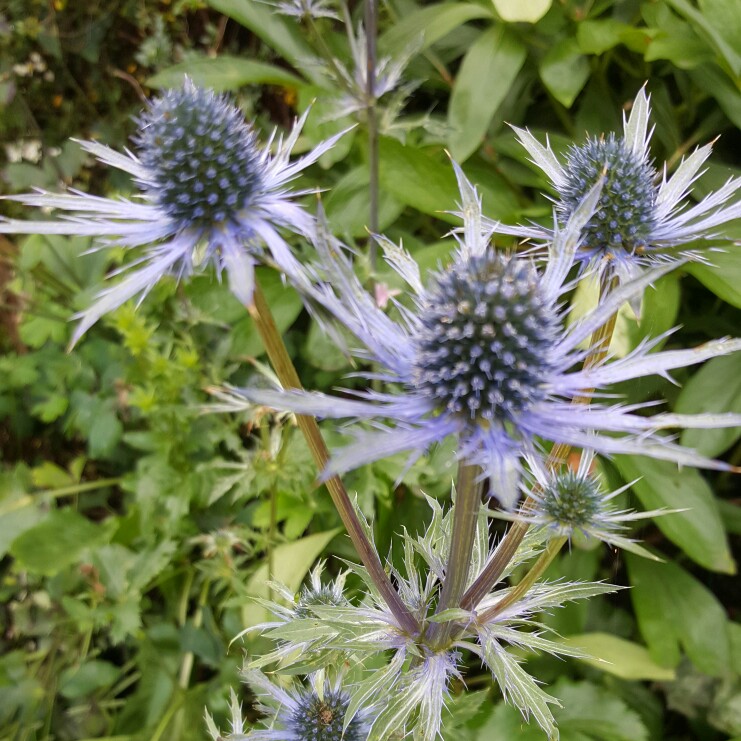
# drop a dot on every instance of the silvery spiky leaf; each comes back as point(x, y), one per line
point(304, 9)
point(485, 354)
point(208, 195)
point(642, 217)
point(412, 677)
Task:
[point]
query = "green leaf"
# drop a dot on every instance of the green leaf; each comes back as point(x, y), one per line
point(56, 542)
point(722, 276)
point(262, 20)
point(80, 681)
point(599, 36)
point(716, 387)
point(522, 11)
point(564, 71)
point(617, 656)
point(223, 73)
point(292, 562)
point(485, 77)
point(16, 516)
point(430, 23)
point(417, 178)
point(710, 32)
point(699, 531)
point(591, 712)
point(675, 610)
point(347, 205)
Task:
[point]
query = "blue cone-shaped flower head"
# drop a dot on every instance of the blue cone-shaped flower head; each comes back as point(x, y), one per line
point(485, 354)
point(201, 155)
point(209, 195)
point(624, 218)
point(643, 217)
point(568, 501)
point(484, 338)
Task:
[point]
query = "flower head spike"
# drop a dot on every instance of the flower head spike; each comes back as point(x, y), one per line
point(209, 194)
point(484, 354)
point(638, 221)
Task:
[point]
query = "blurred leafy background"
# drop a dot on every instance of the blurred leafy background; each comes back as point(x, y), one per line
point(134, 528)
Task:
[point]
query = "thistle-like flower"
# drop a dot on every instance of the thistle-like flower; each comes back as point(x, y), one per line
point(317, 712)
point(209, 195)
point(570, 501)
point(484, 354)
point(642, 217)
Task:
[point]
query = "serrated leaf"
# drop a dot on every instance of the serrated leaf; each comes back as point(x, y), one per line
point(56, 542)
point(699, 531)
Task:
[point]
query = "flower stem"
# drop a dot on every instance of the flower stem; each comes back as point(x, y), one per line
point(286, 372)
point(536, 571)
point(371, 23)
point(468, 489)
point(599, 347)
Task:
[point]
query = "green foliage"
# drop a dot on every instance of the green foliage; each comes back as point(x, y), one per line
point(137, 532)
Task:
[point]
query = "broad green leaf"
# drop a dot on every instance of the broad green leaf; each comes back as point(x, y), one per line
point(83, 680)
point(292, 561)
point(522, 11)
point(506, 724)
point(716, 387)
point(484, 79)
point(56, 542)
point(722, 277)
point(564, 71)
point(615, 655)
point(417, 178)
point(710, 32)
point(277, 33)
point(699, 531)
point(595, 713)
point(430, 23)
point(16, 516)
point(347, 205)
point(599, 36)
point(675, 610)
point(223, 73)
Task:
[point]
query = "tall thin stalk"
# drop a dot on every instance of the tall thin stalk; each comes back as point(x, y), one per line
point(468, 490)
point(286, 372)
point(371, 29)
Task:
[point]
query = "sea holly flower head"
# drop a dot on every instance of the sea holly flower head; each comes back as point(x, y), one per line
point(643, 216)
point(484, 353)
point(303, 9)
point(567, 501)
point(208, 195)
point(316, 711)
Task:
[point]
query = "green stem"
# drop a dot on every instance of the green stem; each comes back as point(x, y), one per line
point(286, 372)
point(492, 572)
point(465, 518)
point(371, 23)
point(536, 571)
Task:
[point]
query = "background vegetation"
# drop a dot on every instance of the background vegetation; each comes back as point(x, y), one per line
point(134, 528)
